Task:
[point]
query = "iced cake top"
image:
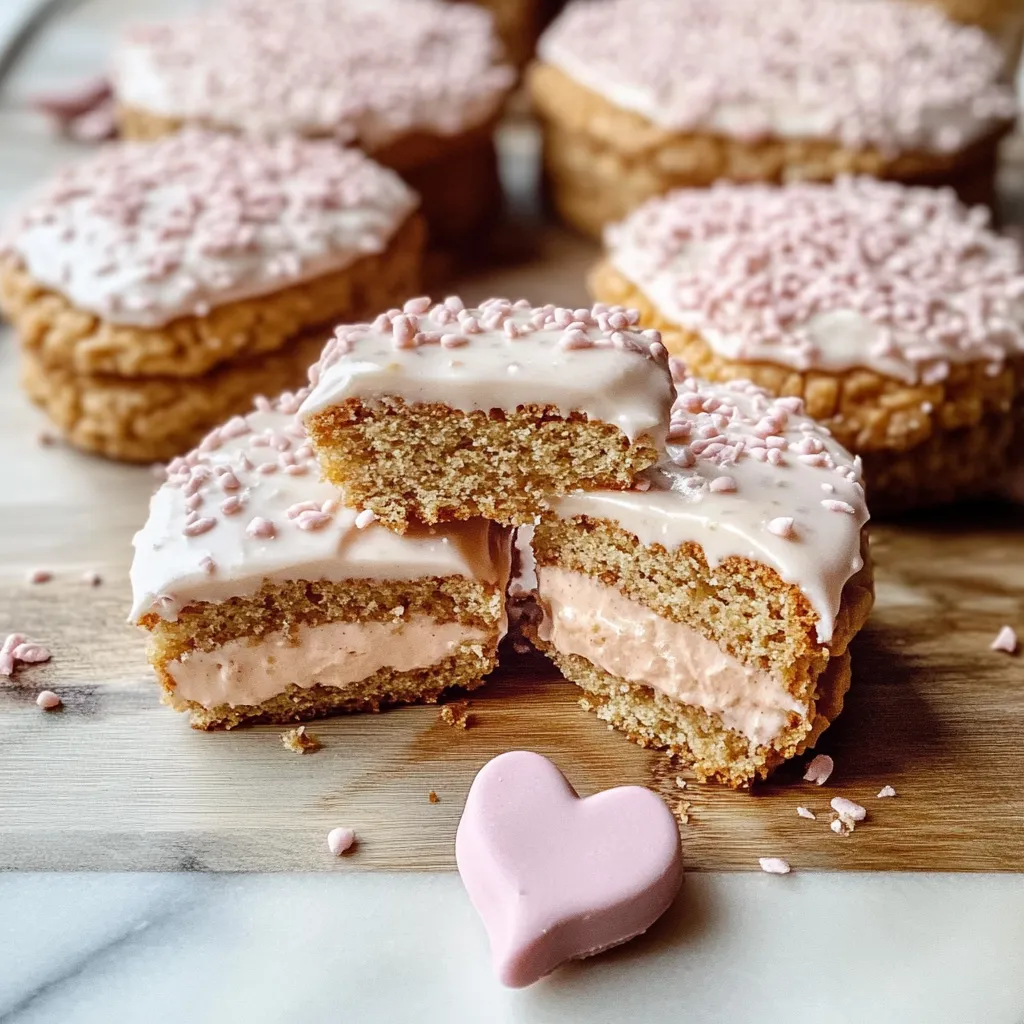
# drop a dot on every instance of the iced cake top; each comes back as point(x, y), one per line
point(862, 273)
point(362, 71)
point(247, 506)
point(501, 355)
point(750, 476)
point(865, 73)
point(143, 233)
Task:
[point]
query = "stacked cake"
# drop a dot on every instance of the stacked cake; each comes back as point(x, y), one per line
point(699, 548)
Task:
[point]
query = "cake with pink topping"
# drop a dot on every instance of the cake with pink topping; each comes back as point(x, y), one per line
point(156, 287)
point(417, 84)
point(266, 599)
point(709, 611)
point(439, 412)
point(895, 313)
point(638, 97)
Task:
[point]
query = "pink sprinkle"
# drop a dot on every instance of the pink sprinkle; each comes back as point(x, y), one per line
point(1006, 640)
point(782, 527)
point(7, 652)
point(403, 332)
point(312, 520)
point(208, 565)
point(417, 306)
point(834, 505)
point(229, 506)
point(364, 518)
point(198, 526)
point(819, 769)
point(92, 577)
point(48, 700)
point(30, 653)
point(454, 340)
point(339, 840)
point(260, 528)
point(774, 865)
point(806, 812)
point(848, 809)
point(723, 485)
point(331, 506)
point(40, 576)
point(294, 511)
point(886, 791)
point(575, 339)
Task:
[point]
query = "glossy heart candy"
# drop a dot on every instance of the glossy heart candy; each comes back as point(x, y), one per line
point(555, 877)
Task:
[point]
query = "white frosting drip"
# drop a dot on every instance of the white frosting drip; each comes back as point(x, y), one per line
point(818, 555)
point(173, 568)
point(362, 71)
point(617, 384)
point(143, 233)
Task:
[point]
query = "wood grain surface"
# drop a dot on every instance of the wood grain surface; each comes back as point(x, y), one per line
point(116, 781)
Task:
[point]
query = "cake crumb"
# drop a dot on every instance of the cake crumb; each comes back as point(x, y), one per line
point(46, 439)
point(92, 578)
point(681, 783)
point(886, 791)
point(40, 576)
point(521, 646)
point(433, 797)
point(806, 812)
point(455, 714)
point(300, 741)
point(48, 700)
point(339, 840)
point(841, 827)
point(774, 865)
point(819, 770)
point(1006, 640)
point(683, 811)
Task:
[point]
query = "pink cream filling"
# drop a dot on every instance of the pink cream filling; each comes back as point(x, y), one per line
point(333, 654)
point(624, 638)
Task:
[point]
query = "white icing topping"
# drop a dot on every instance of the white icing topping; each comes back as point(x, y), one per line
point(248, 506)
point(896, 76)
point(584, 617)
point(142, 233)
point(903, 281)
point(500, 356)
point(333, 654)
point(746, 475)
point(362, 71)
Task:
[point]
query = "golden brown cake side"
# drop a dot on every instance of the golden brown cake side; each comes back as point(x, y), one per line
point(602, 161)
point(430, 462)
point(742, 607)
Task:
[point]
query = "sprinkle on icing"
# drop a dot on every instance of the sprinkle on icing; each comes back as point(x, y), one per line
point(595, 360)
point(220, 525)
point(904, 281)
point(362, 71)
point(141, 233)
point(774, 460)
point(866, 73)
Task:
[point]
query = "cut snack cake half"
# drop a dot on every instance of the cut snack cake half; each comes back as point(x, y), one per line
point(267, 599)
point(440, 412)
point(711, 613)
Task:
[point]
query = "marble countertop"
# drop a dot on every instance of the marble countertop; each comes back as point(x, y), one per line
point(844, 947)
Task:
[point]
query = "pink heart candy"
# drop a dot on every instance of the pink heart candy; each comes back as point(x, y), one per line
point(556, 878)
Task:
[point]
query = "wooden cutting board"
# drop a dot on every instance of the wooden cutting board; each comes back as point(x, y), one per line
point(116, 781)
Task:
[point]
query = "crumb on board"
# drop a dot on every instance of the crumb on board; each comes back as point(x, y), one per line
point(433, 797)
point(681, 783)
point(92, 578)
point(455, 714)
point(682, 811)
point(886, 791)
point(39, 575)
point(1006, 640)
point(300, 741)
point(806, 812)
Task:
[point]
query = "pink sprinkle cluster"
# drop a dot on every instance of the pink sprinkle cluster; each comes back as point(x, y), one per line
point(216, 492)
point(18, 648)
point(727, 425)
point(451, 324)
point(896, 76)
point(212, 212)
point(939, 285)
point(364, 72)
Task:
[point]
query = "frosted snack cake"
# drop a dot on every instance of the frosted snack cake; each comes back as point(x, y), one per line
point(417, 84)
point(268, 600)
point(896, 313)
point(711, 613)
point(638, 97)
point(443, 412)
point(156, 287)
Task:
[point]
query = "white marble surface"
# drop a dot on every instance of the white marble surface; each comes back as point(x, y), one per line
point(823, 948)
point(827, 949)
